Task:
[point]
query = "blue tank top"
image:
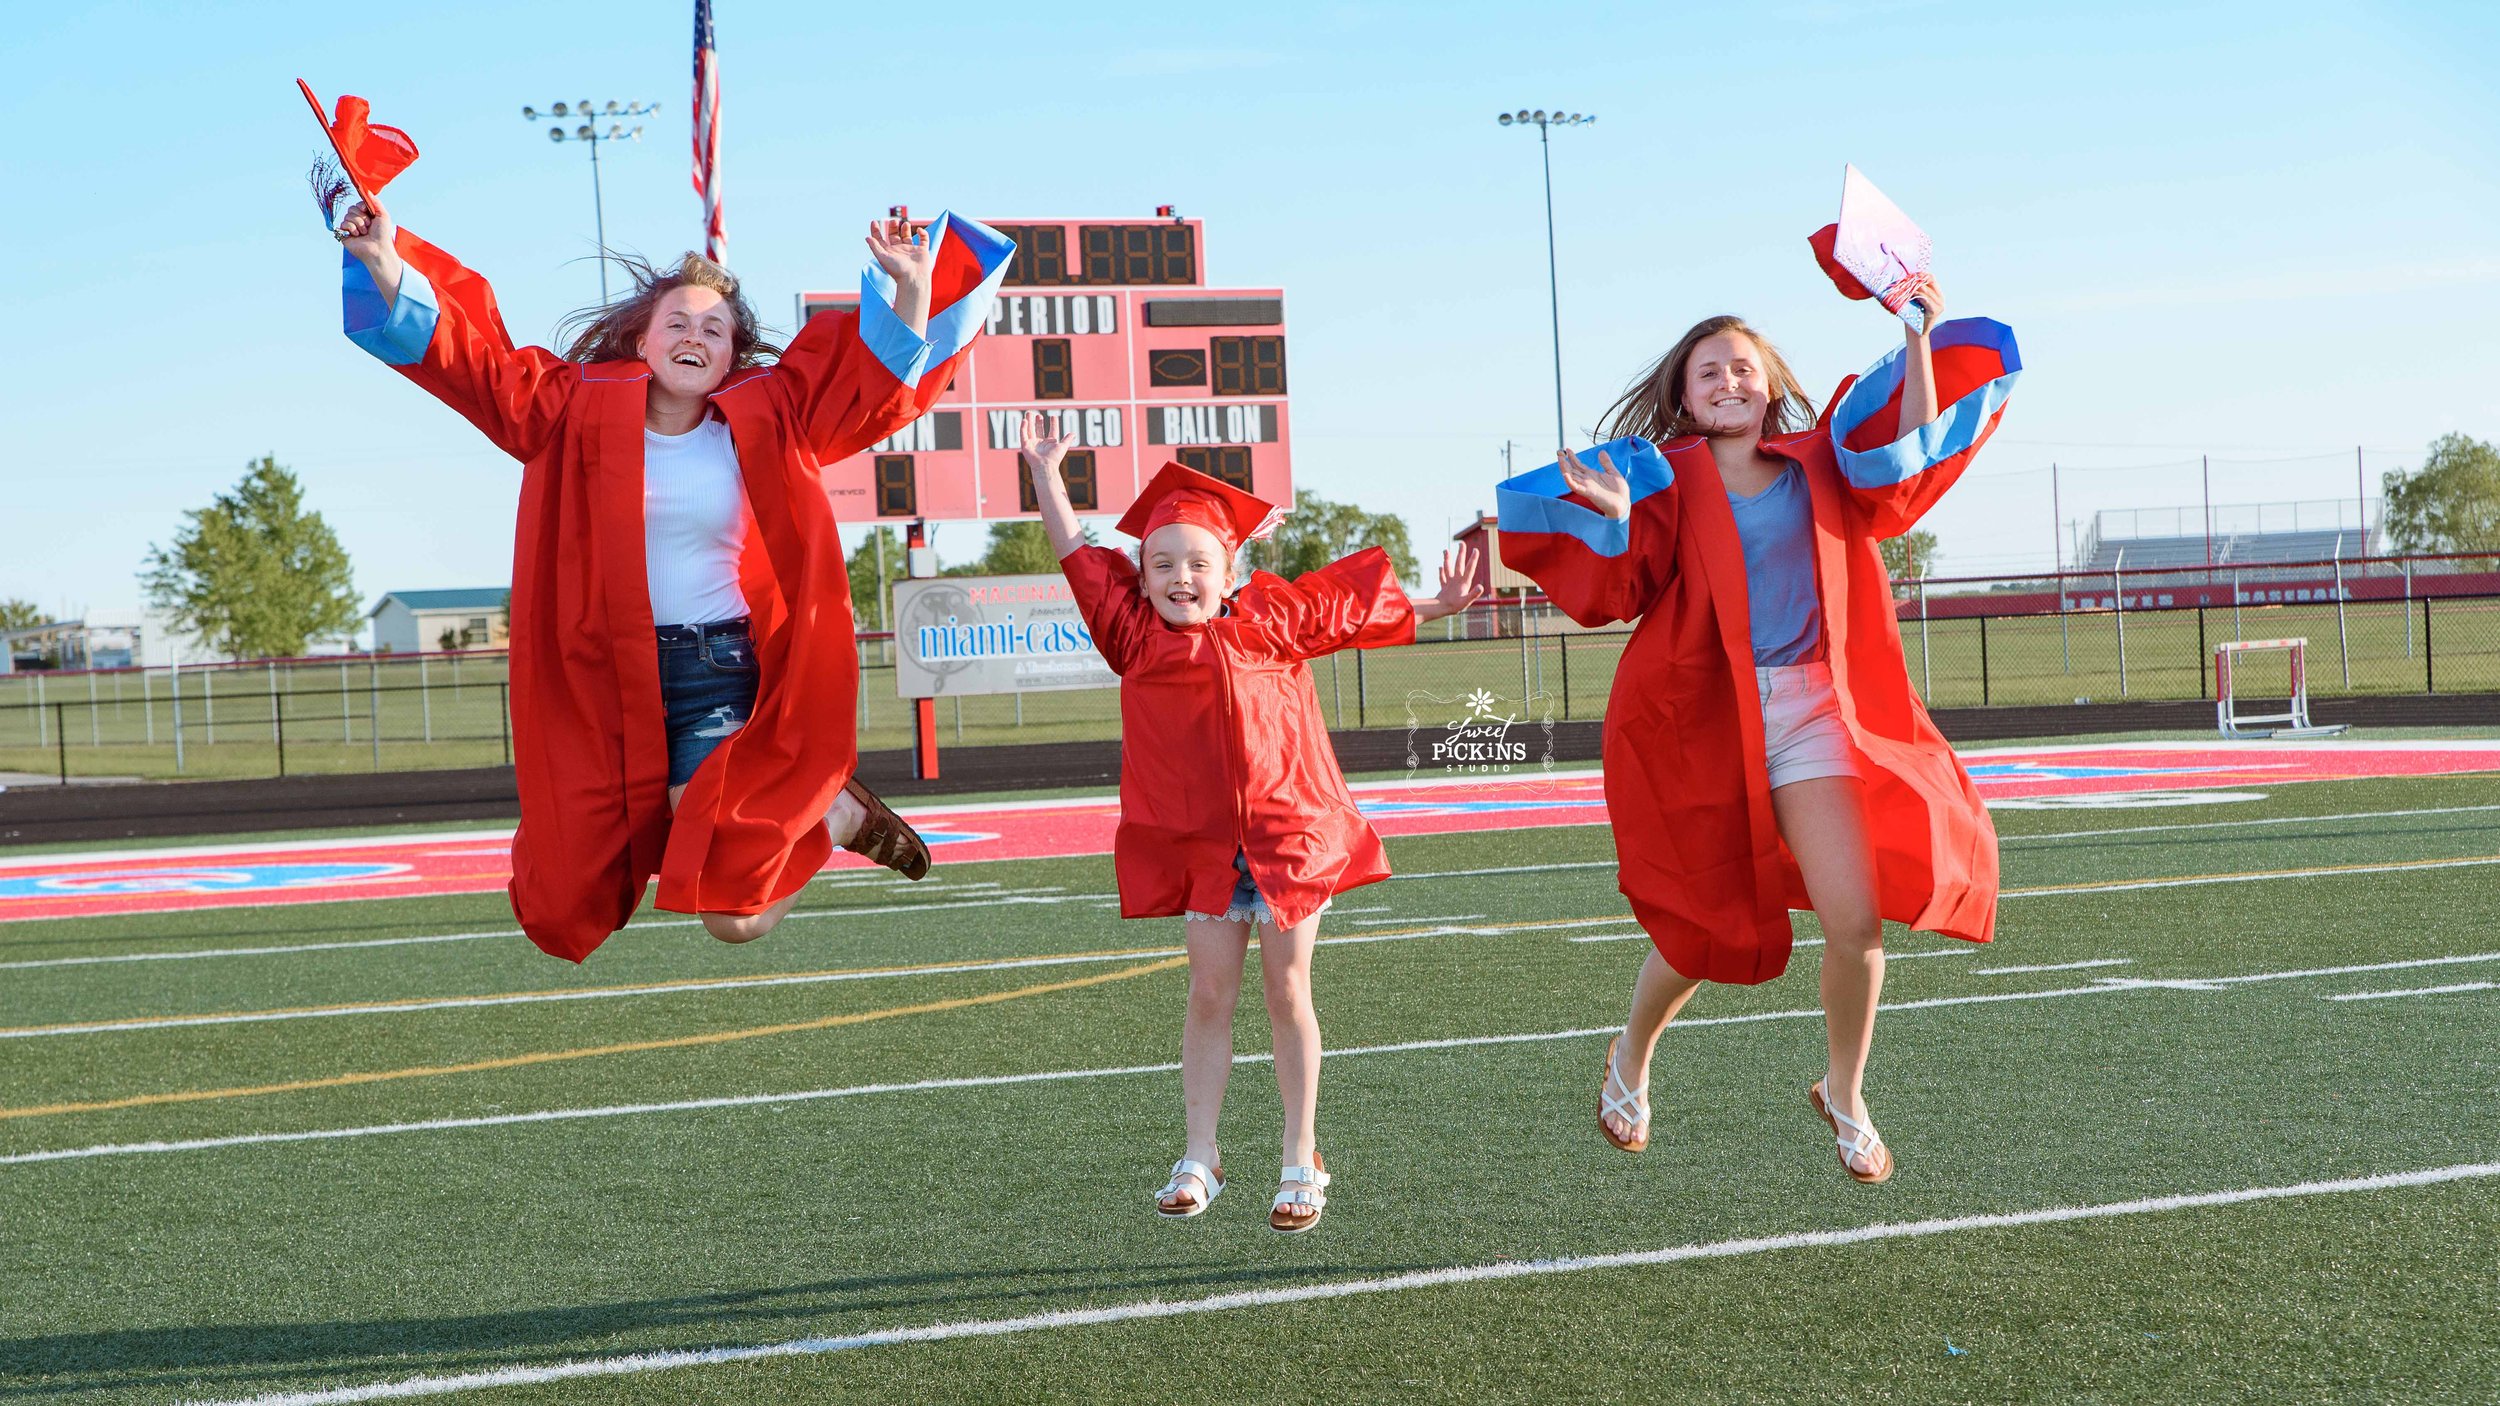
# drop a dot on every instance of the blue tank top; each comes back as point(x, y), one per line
point(1777, 529)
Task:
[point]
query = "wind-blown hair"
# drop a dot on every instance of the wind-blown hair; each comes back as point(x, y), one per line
point(614, 332)
point(1653, 405)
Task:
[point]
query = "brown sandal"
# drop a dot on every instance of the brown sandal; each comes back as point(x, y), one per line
point(1632, 1106)
point(1859, 1141)
point(885, 837)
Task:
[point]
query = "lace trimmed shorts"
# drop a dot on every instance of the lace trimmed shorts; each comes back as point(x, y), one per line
point(1801, 726)
point(1248, 905)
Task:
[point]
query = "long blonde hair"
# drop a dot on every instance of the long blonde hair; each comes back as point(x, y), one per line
point(614, 332)
point(1653, 405)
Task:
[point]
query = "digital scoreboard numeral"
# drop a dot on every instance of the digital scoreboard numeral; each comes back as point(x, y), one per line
point(1076, 471)
point(898, 490)
point(1229, 462)
point(1248, 365)
point(1041, 259)
point(1053, 375)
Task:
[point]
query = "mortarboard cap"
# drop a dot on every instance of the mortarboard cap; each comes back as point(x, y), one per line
point(370, 155)
point(1178, 493)
point(1874, 250)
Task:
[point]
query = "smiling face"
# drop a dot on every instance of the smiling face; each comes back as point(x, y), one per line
point(1185, 573)
point(1727, 386)
point(688, 342)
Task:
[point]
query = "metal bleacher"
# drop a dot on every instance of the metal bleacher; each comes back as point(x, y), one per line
point(2235, 549)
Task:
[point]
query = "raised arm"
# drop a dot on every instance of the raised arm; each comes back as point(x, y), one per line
point(1599, 542)
point(1462, 580)
point(1351, 603)
point(1043, 450)
point(1905, 430)
point(417, 310)
point(849, 380)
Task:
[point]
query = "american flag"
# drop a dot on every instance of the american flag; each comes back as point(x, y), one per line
point(707, 135)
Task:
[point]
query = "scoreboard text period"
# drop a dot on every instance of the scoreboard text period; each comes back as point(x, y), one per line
point(1107, 325)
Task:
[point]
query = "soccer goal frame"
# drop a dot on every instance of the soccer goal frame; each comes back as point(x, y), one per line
point(2294, 721)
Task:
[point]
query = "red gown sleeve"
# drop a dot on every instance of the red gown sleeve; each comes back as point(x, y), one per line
point(444, 332)
point(1597, 570)
point(1894, 478)
point(849, 380)
point(1105, 585)
point(1354, 603)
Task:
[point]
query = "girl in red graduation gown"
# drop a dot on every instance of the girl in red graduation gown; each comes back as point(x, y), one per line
point(1763, 748)
point(1232, 810)
point(684, 676)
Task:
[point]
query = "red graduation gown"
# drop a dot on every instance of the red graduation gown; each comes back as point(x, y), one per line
point(1223, 749)
point(589, 740)
point(1687, 780)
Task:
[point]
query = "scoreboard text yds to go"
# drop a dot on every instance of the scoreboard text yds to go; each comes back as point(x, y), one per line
point(1110, 327)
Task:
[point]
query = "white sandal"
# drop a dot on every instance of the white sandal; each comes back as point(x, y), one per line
point(1309, 1191)
point(1856, 1140)
point(1631, 1105)
point(1210, 1182)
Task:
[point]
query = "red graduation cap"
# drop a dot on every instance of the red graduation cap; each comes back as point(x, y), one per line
point(371, 155)
point(1178, 493)
point(1874, 250)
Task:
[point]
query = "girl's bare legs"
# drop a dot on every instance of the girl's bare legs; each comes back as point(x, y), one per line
point(1216, 951)
point(1824, 822)
point(1658, 994)
point(1285, 973)
point(842, 822)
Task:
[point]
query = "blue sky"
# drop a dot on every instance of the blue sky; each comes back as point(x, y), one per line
point(2263, 232)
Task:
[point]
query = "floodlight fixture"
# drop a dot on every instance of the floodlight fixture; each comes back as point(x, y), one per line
point(1545, 122)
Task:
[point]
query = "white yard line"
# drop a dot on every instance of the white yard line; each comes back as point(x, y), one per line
point(1436, 918)
point(2056, 967)
point(2239, 824)
point(1939, 952)
point(674, 988)
point(2416, 991)
point(2193, 881)
point(635, 1364)
point(2104, 986)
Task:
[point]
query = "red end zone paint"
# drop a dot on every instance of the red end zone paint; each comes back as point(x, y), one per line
point(421, 866)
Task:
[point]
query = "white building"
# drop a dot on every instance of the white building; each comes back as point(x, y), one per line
point(413, 622)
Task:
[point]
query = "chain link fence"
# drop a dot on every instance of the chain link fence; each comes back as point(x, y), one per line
point(2421, 625)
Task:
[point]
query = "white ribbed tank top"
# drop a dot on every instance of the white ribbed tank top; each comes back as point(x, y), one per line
point(694, 522)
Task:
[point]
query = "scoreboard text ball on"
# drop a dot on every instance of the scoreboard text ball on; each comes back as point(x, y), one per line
point(1109, 326)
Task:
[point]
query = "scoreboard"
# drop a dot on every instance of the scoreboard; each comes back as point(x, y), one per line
point(1108, 326)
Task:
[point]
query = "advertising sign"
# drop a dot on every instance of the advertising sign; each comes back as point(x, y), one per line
point(955, 635)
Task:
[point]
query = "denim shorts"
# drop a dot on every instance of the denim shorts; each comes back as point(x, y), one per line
point(1248, 904)
point(707, 689)
point(1802, 731)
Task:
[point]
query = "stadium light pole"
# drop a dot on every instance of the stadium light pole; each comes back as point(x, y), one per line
point(1545, 122)
point(589, 116)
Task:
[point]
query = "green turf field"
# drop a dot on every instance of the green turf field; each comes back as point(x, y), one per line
point(2023, 1252)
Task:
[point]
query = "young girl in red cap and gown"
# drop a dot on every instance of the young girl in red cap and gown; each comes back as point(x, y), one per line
point(1232, 810)
point(1764, 749)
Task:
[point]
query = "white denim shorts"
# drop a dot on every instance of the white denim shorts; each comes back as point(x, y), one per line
point(1802, 731)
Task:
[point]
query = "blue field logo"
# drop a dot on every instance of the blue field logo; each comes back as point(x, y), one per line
point(240, 878)
point(2077, 771)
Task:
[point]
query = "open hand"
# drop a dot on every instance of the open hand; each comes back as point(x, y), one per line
point(1608, 491)
point(901, 251)
point(1462, 570)
point(1042, 446)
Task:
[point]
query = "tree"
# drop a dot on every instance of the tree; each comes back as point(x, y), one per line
point(1318, 532)
point(866, 586)
point(448, 640)
point(2451, 503)
point(21, 615)
point(1910, 555)
point(254, 573)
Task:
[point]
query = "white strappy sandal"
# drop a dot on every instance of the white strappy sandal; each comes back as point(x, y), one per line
point(1857, 1142)
point(1304, 1188)
point(1630, 1104)
point(1210, 1185)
